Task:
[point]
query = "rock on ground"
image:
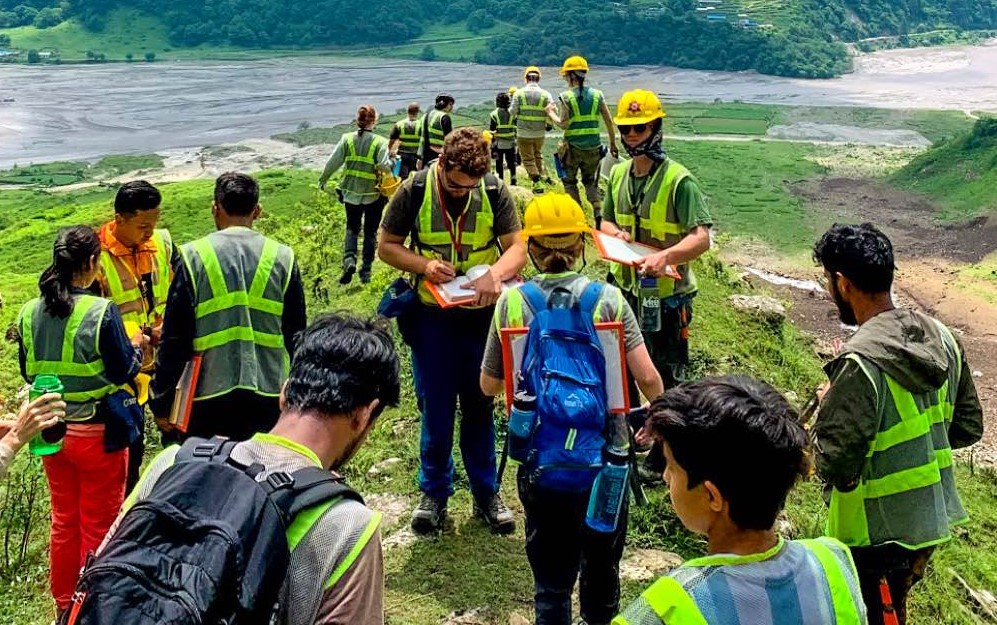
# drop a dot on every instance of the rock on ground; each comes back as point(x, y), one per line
point(384, 466)
point(644, 565)
point(393, 508)
point(768, 308)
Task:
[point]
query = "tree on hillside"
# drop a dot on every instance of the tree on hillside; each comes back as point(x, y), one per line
point(4, 41)
point(428, 53)
point(48, 17)
point(34, 57)
point(150, 57)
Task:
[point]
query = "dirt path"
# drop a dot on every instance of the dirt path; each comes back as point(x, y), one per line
point(929, 256)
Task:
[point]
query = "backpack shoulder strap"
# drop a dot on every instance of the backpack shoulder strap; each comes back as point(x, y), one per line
point(590, 299)
point(492, 184)
point(308, 487)
point(419, 187)
point(215, 449)
point(534, 296)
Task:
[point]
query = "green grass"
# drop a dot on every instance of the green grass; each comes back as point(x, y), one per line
point(127, 32)
point(727, 126)
point(70, 172)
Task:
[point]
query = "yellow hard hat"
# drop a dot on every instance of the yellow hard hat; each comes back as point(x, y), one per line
point(639, 106)
point(487, 134)
point(574, 64)
point(553, 214)
point(388, 185)
point(532, 69)
point(513, 90)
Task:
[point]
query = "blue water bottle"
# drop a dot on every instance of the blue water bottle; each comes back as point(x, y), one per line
point(396, 169)
point(609, 491)
point(561, 174)
point(522, 420)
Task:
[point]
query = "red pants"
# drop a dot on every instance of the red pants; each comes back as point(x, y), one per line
point(87, 488)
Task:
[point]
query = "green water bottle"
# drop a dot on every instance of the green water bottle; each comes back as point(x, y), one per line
point(48, 441)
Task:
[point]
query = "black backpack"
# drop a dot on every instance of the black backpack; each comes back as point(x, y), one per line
point(207, 547)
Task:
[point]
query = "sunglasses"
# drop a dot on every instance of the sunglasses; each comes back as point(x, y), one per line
point(626, 129)
point(454, 185)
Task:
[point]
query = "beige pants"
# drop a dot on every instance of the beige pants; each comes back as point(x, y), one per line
point(531, 151)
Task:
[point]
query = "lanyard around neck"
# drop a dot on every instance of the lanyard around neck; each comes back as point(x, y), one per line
point(456, 235)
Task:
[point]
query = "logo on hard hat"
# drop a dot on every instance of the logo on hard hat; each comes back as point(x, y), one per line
point(635, 107)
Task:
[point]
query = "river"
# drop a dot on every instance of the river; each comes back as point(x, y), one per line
point(85, 111)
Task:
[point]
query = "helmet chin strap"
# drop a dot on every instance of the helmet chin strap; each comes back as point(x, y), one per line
point(650, 147)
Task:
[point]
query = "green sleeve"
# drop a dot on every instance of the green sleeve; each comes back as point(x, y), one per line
point(609, 201)
point(691, 205)
point(846, 424)
point(967, 419)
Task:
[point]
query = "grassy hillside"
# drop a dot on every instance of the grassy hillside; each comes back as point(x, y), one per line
point(960, 174)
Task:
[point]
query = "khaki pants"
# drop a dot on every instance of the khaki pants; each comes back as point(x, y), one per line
point(586, 162)
point(531, 151)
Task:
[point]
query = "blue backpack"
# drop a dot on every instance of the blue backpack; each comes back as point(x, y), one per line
point(564, 367)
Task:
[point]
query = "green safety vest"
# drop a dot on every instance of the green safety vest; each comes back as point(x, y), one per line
point(667, 601)
point(409, 134)
point(532, 113)
point(655, 223)
point(360, 171)
point(505, 125)
point(68, 348)
point(434, 123)
point(123, 284)
point(434, 239)
point(583, 129)
point(239, 279)
point(906, 493)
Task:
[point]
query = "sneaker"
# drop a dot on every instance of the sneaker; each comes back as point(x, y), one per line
point(496, 514)
point(429, 515)
point(348, 272)
point(648, 476)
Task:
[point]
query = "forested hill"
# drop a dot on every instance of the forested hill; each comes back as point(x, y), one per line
point(784, 37)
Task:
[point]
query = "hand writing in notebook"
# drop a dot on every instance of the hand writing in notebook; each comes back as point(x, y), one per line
point(439, 271)
point(655, 265)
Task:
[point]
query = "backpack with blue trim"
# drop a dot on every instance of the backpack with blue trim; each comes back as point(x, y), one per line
point(564, 367)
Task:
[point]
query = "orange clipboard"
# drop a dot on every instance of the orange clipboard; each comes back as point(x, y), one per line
point(635, 251)
point(444, 302)
point(611, 334)
point(183, 400)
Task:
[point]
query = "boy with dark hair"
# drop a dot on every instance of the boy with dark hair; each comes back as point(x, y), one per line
point(899, 399)
point(345, 373)
point(238, 302)
point(735, 448)
point(502, 124)
point(137, 265)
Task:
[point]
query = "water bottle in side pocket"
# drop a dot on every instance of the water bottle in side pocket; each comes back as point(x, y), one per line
point(522, 420)
point(608, 492)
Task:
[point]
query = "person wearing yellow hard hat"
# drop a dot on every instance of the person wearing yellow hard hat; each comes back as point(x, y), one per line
point(503, 128)
point(578, 112)
point(653, 199)
point(529, 109)
point(559, 546)
point(365, 158)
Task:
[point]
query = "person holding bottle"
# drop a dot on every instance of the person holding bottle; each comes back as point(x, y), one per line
point(561, 545)
point(77, 341)
point(653, 199)
point(33, 418)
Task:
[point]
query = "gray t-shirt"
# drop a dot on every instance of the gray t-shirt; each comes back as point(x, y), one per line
point(612, 307)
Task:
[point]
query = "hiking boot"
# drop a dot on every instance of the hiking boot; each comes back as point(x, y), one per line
point(365, 275)
point(496, 514)
point(648, 476)
point(349, 269)
point(429, 515)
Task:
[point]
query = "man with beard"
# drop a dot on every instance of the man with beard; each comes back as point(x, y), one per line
point(899, 399)
point(345, 373)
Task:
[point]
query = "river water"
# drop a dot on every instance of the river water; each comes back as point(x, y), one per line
point(85, 111)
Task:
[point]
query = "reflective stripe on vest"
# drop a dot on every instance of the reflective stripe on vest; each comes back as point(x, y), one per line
point(409, 134)
point(906, 492)
point(514, 308)
point(68, 348)
point(504, 129)
point(434, 121)
point(433, 239)
point(659, 222)
point(123, 284)
point(583, 128)
point(239, 286)
point(668, 601)
point(532, 113)
point(360, 172)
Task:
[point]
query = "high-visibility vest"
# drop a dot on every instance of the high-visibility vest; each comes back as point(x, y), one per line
point(434, 238)
point(124, 286)
point(360, 169)
point(654, 222)
point(434, 124)
point(822, 589)
point(532, 113)
point(583, 127)
point(239, 279)
point(906, 492)
point(505, 126)
point(609, 300)
point(69, 349)
point(409, 135)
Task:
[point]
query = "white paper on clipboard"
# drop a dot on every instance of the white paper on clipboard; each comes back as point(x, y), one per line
point(613, 346)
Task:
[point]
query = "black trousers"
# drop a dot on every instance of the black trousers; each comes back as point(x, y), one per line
point(368, 218)
point(901, 567)
point(507, 158)
point(562, 549)
point(408, 164)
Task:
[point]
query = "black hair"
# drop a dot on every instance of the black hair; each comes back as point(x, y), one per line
point(74, 247)
point(861, 253)
point(502, 100)
point(237, 194)
point(136, 196)
point(740, 434)
point(343, 363)
point(443, 99)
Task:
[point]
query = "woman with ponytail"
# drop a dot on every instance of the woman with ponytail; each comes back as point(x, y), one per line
point(81, 339)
